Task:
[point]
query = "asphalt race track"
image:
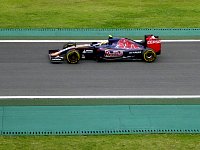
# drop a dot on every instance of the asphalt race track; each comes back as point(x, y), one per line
point(26, 71)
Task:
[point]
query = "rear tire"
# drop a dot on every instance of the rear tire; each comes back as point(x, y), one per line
point(73, 56)
point(149, 56)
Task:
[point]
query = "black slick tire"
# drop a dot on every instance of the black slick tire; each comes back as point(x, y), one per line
point(73, 56)
point(149, 56)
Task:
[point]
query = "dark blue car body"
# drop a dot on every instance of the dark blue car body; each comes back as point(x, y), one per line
point(113, 49)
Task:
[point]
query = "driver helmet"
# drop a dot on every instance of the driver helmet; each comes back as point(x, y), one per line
point(110, 37)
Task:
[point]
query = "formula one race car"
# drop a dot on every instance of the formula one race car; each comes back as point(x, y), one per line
point(112, 49)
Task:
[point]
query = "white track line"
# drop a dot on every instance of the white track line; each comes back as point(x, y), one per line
point(104, 97)
point(82, 41)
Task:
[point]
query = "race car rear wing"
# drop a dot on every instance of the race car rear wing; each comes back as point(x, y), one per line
point(153, 42)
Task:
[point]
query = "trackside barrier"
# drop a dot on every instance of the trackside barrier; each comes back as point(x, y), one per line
point(98, 33)
point(80, 118)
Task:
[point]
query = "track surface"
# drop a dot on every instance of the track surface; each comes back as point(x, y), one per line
point(25, 71)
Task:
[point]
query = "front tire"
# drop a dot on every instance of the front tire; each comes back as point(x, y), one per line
point(149, 56)
point(73, 56)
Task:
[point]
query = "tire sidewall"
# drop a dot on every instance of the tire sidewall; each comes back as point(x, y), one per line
point(149, 59)
point(71, 52)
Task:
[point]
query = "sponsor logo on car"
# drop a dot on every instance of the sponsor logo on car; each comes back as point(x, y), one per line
point(87, 51)
point(153, 42)
point(135, 52)
point(113, 53)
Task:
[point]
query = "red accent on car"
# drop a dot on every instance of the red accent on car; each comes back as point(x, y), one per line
point(127, 44)
point(154, 43)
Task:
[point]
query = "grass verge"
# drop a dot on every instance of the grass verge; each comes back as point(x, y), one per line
point(116, 142)
point(99, 14)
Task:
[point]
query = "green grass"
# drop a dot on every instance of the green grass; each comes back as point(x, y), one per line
point(116, 142)
point(99, 14)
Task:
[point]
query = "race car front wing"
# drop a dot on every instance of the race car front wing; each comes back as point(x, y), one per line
point(55, 59)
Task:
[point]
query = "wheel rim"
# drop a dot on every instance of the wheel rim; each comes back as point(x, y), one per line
point(73, 57)
point(149, 56)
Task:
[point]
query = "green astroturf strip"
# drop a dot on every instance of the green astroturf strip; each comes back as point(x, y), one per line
point(90, 120)
point(163, 33)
